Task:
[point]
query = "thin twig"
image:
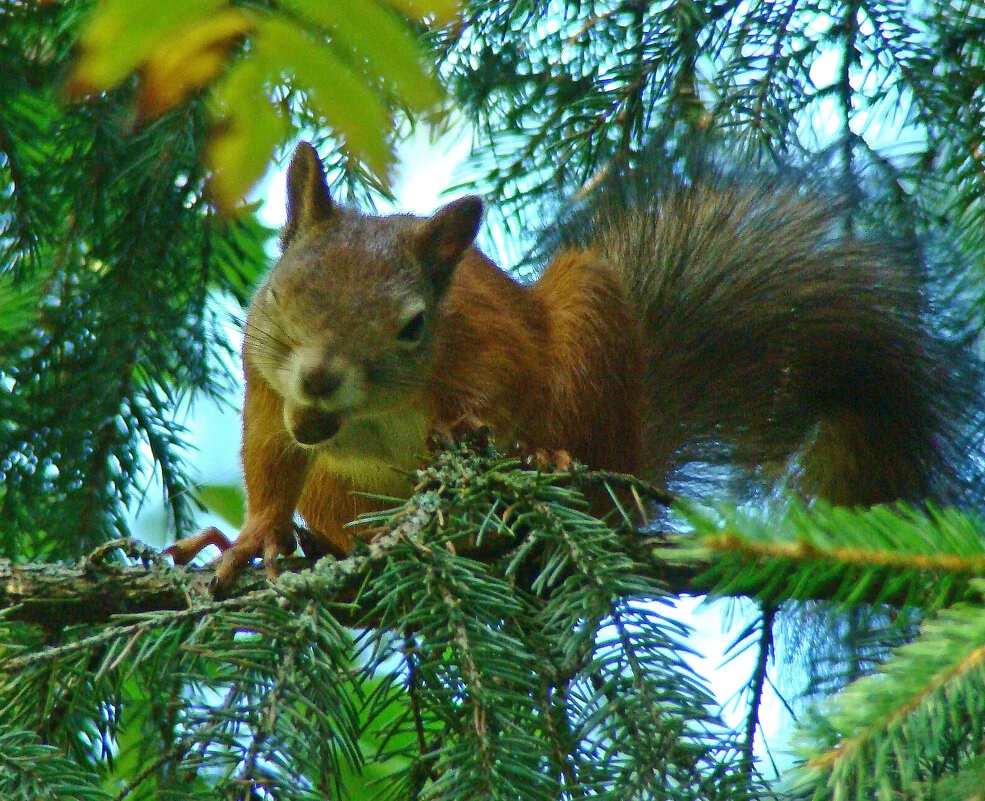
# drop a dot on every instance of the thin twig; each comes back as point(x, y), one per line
point(757, 683)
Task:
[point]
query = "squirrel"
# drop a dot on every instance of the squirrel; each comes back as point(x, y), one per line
point(718, 315)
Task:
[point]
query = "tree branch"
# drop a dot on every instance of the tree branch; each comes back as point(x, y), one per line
point(97, 591)
point(55, 596)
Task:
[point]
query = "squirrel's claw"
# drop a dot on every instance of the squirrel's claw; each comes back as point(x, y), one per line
point(255, 539)
point(227, 565)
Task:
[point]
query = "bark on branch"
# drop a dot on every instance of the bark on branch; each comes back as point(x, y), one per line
point(54, 596)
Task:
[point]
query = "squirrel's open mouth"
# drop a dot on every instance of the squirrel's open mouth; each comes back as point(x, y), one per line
point(317, 427)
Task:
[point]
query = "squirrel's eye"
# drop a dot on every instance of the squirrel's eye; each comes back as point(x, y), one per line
point(413, 329)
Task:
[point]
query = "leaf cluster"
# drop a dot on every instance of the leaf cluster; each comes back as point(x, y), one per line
point(265, 64)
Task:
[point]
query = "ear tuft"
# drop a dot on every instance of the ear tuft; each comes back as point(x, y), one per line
point(447, 233)
point(308, 200)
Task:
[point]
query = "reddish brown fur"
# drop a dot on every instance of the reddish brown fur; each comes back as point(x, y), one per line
point(553, 366)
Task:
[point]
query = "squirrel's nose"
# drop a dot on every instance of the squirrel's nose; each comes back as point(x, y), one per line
point(321, 381)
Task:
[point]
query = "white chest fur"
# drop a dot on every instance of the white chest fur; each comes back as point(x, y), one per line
point(374, 451)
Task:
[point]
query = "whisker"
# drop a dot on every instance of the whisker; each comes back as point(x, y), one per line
point(272, 346)
point(399, 382)
point(257, 334)
point(273, 320)
point(260, 348)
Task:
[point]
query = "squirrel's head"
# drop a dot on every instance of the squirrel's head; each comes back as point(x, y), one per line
point(343, 328)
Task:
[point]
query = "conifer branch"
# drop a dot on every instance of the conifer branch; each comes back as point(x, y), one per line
point(731, 542)
point(890, 555)
point(884, 719)
point(792, 558)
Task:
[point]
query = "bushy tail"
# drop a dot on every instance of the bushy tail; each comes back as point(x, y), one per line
point(779, 342)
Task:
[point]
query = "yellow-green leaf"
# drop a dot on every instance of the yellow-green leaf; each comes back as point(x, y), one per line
point(243, 139)
point(225, 500)
point(122, 34)
point(334, 90)
point(382, 40)
point(189, 61)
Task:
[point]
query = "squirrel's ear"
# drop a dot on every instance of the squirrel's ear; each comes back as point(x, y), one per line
point(308, 200)
point(447, 233)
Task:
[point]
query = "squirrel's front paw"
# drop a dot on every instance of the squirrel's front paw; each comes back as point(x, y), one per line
point(255, 539)
point(549, 461)
point(444, 435)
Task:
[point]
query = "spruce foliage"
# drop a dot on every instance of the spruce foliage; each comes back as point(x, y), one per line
point(502, 637)
point(111, 259)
